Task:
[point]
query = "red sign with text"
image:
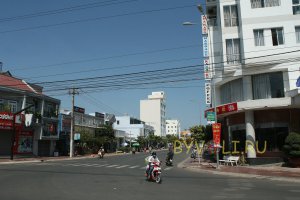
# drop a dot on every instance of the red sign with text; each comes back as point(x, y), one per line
point(224, 108)
point(216, 128)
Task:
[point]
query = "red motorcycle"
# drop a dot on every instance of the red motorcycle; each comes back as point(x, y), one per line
point(156, 173)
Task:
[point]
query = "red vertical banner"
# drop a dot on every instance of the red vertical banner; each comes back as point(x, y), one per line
point(216, 128)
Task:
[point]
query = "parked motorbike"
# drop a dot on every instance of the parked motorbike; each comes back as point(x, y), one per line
point(194, 154)
point(156, 173)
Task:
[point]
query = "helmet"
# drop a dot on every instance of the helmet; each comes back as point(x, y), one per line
point(153, 154)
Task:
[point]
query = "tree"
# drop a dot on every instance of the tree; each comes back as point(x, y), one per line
point(198, 133)
point(171, 138)
point(142, 141)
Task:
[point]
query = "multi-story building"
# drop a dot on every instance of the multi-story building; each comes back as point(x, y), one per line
point(38, 134)
point(153, 112)
point(133, 127)
point(254, 48)
point(172, 127)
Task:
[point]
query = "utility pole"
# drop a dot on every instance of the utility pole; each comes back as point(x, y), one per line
point(73, 92)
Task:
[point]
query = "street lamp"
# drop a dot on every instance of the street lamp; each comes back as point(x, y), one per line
point(212, 68)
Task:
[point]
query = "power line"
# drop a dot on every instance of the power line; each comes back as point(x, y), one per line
point(64, 10)
point(96, 19)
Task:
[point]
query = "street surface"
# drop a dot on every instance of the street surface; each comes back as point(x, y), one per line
point(122, 177)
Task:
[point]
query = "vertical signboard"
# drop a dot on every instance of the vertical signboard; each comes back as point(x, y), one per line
point(208, 93)
point(207, 69)
point(216, 128)
point(205, 46)
point(204, 24)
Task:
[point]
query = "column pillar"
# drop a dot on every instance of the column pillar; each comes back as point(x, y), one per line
point(250, 134)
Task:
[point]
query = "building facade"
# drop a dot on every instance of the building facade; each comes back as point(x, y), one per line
point(133, 127)
point(254, 48)
point(173, 127)
point(36, 128)
point(153, 112)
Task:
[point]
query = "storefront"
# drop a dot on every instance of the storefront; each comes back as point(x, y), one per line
point(23, 137)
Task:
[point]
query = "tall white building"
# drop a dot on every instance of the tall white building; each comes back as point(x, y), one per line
point(173, 127)
point(153, 112)
point(254, 51)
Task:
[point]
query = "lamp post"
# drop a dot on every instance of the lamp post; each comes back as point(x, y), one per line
point(212, 71)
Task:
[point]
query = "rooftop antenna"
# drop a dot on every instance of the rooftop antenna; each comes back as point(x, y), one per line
point(1, 66)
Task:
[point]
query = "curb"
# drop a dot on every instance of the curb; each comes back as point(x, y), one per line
point(238, 175)
point(54, 159)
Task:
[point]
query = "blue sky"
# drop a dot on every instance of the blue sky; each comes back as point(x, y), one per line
point(124, 37)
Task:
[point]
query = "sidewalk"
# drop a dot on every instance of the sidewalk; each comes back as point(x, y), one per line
point(28, 159)
point(273, 172)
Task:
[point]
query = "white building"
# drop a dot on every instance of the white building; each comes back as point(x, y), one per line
point(173, 127)
point(133, 127)
point(153, 112)
point(254, 48)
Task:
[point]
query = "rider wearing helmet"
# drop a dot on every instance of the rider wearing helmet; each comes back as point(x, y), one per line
point(151, 160)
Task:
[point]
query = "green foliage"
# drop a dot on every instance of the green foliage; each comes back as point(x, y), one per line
point(171, 138)
point(198, 133)
point(292, 145)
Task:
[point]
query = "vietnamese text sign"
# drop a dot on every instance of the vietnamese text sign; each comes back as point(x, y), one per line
point(205, 46)
point(207, 69)
point(216, 128)
point(204, 24)
point(224, 108)
point(207, 93)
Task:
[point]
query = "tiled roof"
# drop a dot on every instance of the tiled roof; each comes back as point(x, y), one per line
point(12, 82)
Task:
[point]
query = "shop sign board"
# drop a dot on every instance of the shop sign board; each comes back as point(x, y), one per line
point(216, 128)
point(205, 46)
point(204, 24)
point(207, 69)
point(208, 93)
point(231, 107)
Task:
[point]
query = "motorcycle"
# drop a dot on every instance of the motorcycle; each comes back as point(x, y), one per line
point(156, 173)
point(101, 154)
point(169, 159)
point(194, 154)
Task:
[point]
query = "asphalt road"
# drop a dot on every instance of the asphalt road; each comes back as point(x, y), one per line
point(122, 177)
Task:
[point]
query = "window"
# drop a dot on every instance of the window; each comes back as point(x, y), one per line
point(233, 51)
point(230, 16)
point(296, 7)
point(277, 36)
point(118, 122)
point(259, 37)
point(264, 3)
point(267, 86)
point(1, 105)
point(297, 30)
point(13, 106)
point(232, 91)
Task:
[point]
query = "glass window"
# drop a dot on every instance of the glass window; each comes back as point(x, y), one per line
point(264, 3)
point(296, 7)
point(297, 31)
point(267, 86)
point(230, 16)
point(13, 106)
point(233, 51)
point(277, 36)
point(259, 37)
point(232, 91)
point(1, 105)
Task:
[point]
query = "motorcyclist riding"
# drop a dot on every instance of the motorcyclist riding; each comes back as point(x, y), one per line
point(151, 160)
point(170, 156)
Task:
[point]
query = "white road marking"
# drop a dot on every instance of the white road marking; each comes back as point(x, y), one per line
point(168, 168)
point(122, 166)
point(112, 166)
point(135, 166)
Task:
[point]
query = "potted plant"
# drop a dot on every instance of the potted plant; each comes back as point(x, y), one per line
point(292, 149)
